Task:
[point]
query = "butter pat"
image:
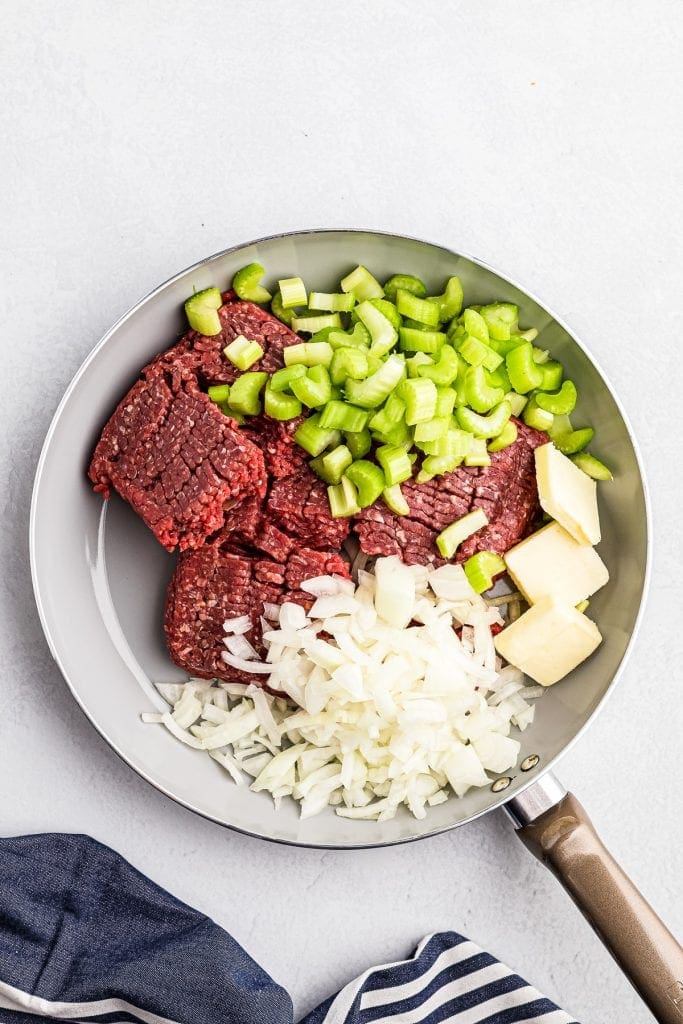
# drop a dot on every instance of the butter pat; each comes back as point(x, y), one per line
point(550, 563)
point(567, 494)
point(548, 641)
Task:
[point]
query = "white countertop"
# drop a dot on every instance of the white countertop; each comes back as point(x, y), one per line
point(545, 139)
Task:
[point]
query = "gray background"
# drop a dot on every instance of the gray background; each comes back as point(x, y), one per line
point(546, 139)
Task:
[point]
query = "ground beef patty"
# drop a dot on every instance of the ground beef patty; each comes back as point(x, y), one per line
point(212, 584)
point(298, 504)
point(505, 490)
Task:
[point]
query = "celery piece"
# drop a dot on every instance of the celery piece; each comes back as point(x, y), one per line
point(280, 406)
point(455, 443)
point(507, 436)
point(523, 372)
point(308, 353)
point(449, 303)
point(247, 284)
point(517, 402)
point(338, 415)
point(359, 337)
point(445, 370)
point(406, 282)
point(473, 351)
point(391, 413)
point(383, 334)
point(423, 477)
point(399, 436)
point(503, 347)
point(363, 285)
point(334, 302)
point(395, 463)
point(388, 309)
point(227, 411)
point(559, 403)
point(313, 390)
point(219, 392)
point(343, 499)
point(359, 442)
point(592, 466)
point(369, 481)
point(530, 335)
point(413, 340)
point(576, 441)
point(540, 355)
point(478, 454)
point(335, 462)
point(201, 310)
point(243, 353)
point(278, 310)
point(481, 568)
point(480, 396)
point(498, 378)
point(372, 391)
point(449, 540)
point(500, 319)
point(415, 325)
point(437, 465)
point(475, 325)
point(313, 438)
point(348, 362)
point(281, 379)
point(445, 401)
point(484, 426)
point(582, 605)
point(432, 429)
point(313, 324)
point(414, 363)
point(552, 376)
point(292, 292)
point(419, 396)
point(422, 310)
point(245, 391)
point(535, 417)
point(393, 498)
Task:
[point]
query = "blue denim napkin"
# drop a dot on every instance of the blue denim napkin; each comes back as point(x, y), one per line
point(85, 937)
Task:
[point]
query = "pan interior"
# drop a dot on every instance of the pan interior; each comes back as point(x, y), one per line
point(100, 577)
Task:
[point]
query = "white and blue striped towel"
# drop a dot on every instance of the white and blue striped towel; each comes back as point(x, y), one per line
point(85, 937)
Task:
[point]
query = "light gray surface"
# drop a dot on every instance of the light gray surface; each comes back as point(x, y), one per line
point(138, 139)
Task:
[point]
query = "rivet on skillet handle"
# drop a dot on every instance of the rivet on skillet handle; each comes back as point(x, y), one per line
point(555, 827)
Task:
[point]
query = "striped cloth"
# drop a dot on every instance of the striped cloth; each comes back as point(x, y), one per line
point(85, 937)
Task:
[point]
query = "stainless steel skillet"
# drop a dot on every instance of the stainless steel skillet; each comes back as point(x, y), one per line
point(99, 580)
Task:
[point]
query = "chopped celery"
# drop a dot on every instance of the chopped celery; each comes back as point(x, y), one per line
point(398, 436)
point(369, 481)
point(480, 396)
point(449, 303)
point(529, 335)
point(535, 417)
point(343, 499)
point(432, 429)
point(313, 438)
point(500, 319)
point(592, 466)
point(202, 311)
point(414, 363)
point(582, 605)
point(481, 568)
point(484, 426)
point(313, 324)
point(524, 374)
point(334, 302)
point(313, 390)
point(552, 376)
point(475, 325)
point(415, 324)
point(245, 391)
point(308, 353)
point(422, 310)
point(247, 284)
point(407, 282)
point(517, 402)
point(478, 353)
point(478, 454)
point(219, 393)
point(393, 498)
point(423, 477)
point(382, 331)
point(498, 378)
point(413, 340)
point(507, 436)
point(455, 444)
point(449, 540)
point(243, 353)
point(437, 465)
point(278, 310)
point(335, 462)
point(359, 442)
point(576, 441)
point(292, 292)
point(503, 347)
point(388, 309)
point(227, 411)
point(445, 401)
point(359, 337)
point(561, 402)
point(280, 406)
point(363, 285)
point(372, 391)
point(339, 415)
point(445, 370)
point(420, 399)
point(281, 379)
point(348, 362)
point(540, 355)
point(391, 413)
point(395, 463)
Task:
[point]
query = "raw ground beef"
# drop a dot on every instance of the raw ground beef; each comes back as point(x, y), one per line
point(299, 505)
point(282, 454)
point(505, 490)
point(212, 584)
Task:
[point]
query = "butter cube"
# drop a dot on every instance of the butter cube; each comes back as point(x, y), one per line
point(548, 641)
point(550, 563)
point(567, 494)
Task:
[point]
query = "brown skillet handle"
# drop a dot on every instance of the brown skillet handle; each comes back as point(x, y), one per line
point(562, 836)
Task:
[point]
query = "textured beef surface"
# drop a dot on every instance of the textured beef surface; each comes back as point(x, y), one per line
point(505, 490)
point(212, 584)
point(298, 504)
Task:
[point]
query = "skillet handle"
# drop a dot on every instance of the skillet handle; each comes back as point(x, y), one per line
point(562, 836)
